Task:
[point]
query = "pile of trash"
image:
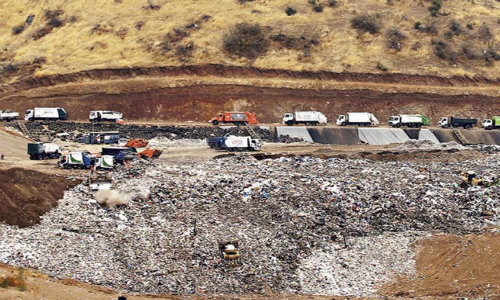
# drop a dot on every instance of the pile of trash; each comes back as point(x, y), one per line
point(411, 145)
point(71, 131)
point(290, 216)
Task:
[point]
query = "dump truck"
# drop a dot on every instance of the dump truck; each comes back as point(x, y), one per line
point(357, 118)
point(409, 121)
point(305, 117)
point(235, 143)
point(75, 160)
point(493, 123)
point(457, 122)
point(237, 118)
point(46, 114)
point(105, 115)
point(8, 115)
point(39, 151)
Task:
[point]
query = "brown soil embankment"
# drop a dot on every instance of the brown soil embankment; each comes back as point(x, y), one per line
point(25, 195)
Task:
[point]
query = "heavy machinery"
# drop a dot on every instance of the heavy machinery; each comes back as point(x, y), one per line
point(471, 179)
point(357, 118)
point(8, 115)
point(137, 143)
point(446, 122)
point(150, 153)
point(230, 253)
point(105, 162)
point(409, 121)
point(237, 118)
point(43, 151)
point(75, 160)
point(100, 180)
point(235, 143)
point(305, 117)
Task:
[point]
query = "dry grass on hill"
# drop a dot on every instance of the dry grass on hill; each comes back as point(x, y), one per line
point(125, 33)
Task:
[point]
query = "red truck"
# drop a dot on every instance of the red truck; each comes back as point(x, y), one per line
point(237, 118)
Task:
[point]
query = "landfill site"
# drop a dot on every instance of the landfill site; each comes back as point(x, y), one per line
point(298, 212)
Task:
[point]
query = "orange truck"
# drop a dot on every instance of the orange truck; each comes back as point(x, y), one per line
point(237, 118)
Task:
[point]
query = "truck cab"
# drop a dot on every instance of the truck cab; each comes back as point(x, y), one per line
point(488, 124)
point(342, 120)
point(288, 119)
point(28, 115)
point(395, 121)
point(443, 122)
point(255, 144)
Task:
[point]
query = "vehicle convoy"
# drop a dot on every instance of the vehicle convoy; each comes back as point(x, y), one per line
point(237, 118)
point(492, 123)
point(409, 121)
point(235, 143)
point(45, 113)
point(457, 122)
point(105, 115)
point(357, 118)
point(305, 117)
point(8, 115)
point(75, 160)
point(38, 151)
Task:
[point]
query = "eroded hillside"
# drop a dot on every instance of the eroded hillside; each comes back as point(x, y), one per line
point(397, 36)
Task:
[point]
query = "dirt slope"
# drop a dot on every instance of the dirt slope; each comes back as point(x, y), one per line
point(25, 195)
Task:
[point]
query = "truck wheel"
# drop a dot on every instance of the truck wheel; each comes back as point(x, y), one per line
point(289, 123)
point(342, 124)
point(215, 122)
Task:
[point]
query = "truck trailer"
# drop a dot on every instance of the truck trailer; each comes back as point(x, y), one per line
point(305, 117)
point(46, 114)
point(457, 122)
point(409, 121)
point(38, 151)
point(8, 115)
point(357, 118)
point(493, 123)
point(237, 118)
point(75, 160)
point(105, 115)
point(235, 143)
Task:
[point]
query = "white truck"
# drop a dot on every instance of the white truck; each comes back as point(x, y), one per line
point(357, 118)
point(8, 115)
point(104, 115)
point(409, 121)
point(46, 114)
point(305, 117)
point(235, 143)
point(104, 162)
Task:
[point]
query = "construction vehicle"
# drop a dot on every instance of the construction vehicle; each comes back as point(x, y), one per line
point(104, 137)
point(235, 143)
point(305, 117)
point(75, 160)
point(46, 114)
point(230, 253)
point(237, 118)
point(120, 154)
point(446, 122)
point(416, 121)
point(104, 115)
point(8, 115)
point(471, 179)
point(357, 118)
point(493, 123)
point(150, 153)
point(137, 143)
point(38, 151)
point(100, 180)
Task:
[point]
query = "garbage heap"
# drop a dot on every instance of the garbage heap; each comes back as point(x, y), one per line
point(287, 214)
point(76, 130)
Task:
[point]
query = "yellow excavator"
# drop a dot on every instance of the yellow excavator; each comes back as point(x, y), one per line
point(230, 253)
point(471, 179)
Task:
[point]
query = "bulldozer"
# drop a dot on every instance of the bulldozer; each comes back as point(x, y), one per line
point(471, 179)
point(100, 180)
point(151, 153)
point(137, 143)
point(230, 253)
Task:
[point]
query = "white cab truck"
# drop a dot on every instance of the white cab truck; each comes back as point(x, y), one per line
point(105, 162)
point(235, 143)
point(357, 118)
point(305, 117)
point(38, 151)
point(8, 115)
point(46, 114)
point(104, 115)
point(408, 121)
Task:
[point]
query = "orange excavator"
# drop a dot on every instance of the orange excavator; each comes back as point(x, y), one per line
point(137, 143)
point(150, 153)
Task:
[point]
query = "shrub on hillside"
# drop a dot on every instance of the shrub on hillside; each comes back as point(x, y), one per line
point(290, 11)
point(246, 40)
point(381, 67)
point(436, 5)
point(184, 51)
point(395, 39)
point(485, 33)
point(444, 51)
point(455, 27)
point(17, 29)
point(366, 23)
